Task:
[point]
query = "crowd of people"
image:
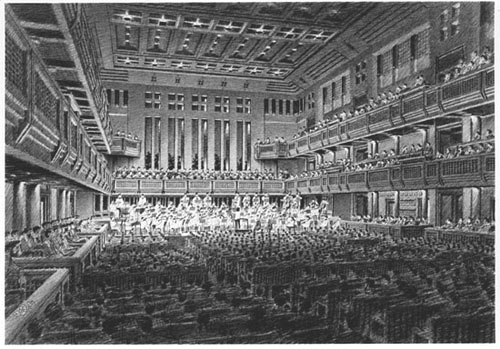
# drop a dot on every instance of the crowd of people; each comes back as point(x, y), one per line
point(464, 67)
point(279, 285)
point(57, 238)
point(143, 173)
point(120, 133)
point(394, 220)
point(471, 224)
point(391, 157)
point(277, 140)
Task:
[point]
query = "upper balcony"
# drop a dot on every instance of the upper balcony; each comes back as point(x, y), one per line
point(45, 140)
point(465, 171)
point(69, 48)
point(428, 102)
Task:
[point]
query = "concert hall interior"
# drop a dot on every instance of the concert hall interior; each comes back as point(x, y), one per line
point(251, 172)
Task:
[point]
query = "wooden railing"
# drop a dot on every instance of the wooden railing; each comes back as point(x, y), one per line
point(179, 187)
point(417, 105)
point(51, 290)
point(463, 171)
point(272, 150)
point(124, 146)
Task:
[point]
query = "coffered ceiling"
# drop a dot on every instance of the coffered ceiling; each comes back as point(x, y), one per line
point(251, 40)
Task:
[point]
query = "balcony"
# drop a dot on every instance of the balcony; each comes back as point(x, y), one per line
point(123, 146)
point(422, 104)
point(44, 137)
point(69, 47)
point(466, 171)
point(181, 187)
point(271, 151)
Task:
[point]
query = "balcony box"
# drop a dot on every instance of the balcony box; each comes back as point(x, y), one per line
point(463, 171)
point(379, 119)
point(302, 145)
point(123, 146)
point(463, 91)
point(315, 140)
point(356, 181)
point(379, 179)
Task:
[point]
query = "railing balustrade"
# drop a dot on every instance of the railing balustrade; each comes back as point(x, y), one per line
point(417, 105)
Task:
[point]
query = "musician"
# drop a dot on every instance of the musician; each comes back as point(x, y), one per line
point(265, 200)
point(256, 201)
point(246, 201)
point(119, 201)
point(207, 201)
point(142, 201)
point(236, 201)
point(197, 200)
point(297, 200)
point(184, 201)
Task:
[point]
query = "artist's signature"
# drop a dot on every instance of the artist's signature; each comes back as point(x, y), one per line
point(23, 308)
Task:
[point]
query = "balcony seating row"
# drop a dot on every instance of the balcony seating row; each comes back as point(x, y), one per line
point(40, 121)
point(416, 106)
point(463, 171)
point(179, 187)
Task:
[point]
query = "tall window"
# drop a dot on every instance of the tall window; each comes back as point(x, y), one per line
point(152, 142)
point(125, 98)
point(117, 98)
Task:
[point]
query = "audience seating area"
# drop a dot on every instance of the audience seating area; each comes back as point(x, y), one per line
point(347, 285)
point(474, 86)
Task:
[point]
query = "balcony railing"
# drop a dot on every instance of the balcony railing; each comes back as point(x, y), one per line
point(40, 122)
point(273, 150)
point(180, 187)
point(123, 146)
point(466, 171)
point(416, 106)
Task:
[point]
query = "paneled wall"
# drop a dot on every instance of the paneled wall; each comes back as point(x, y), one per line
point(132, 119)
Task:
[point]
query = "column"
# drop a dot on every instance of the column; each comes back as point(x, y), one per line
point(396, 203)
point(63, 213)
point(233, 156)
point(222, 144)
point(244, 148)
point(188, 143)
point(33, 205)
point(211, 143)
point(176, 142)
point(200, 143)
point(164, 143)
point(432, 211)
point(466, 129)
